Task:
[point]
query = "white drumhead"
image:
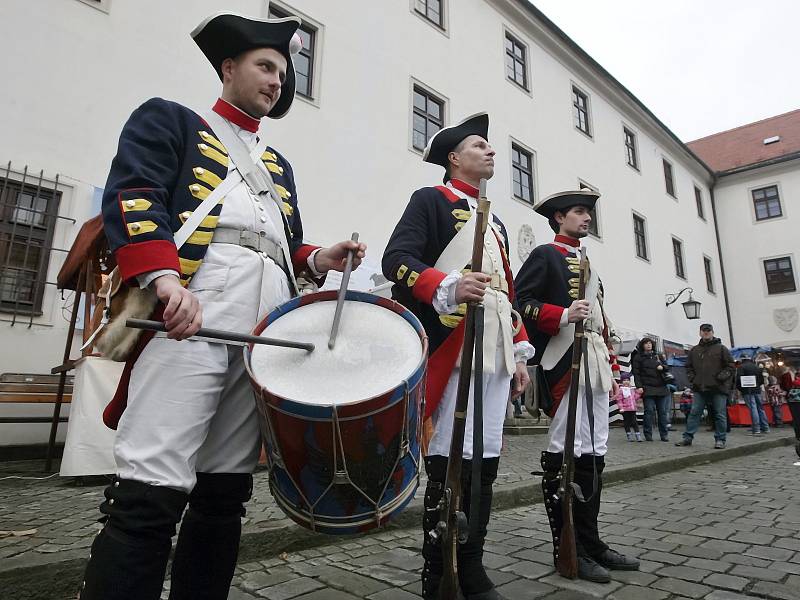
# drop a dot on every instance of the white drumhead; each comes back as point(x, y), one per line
point(376, 349)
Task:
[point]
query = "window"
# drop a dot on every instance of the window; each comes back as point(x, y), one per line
point(594, 225)
point(431, 10)
point(428, 117)
point(516, 61)
point(709, 274)
point(640, 236)
point(668, 179)
point(630, 148)
point(698, 198)
point(522, 173)
point(304, 60)
point(580, 104)
point(767, 203)
point(677, 253)
point(780, 276)
point(27, 221)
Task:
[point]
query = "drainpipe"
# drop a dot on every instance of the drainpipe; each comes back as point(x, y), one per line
point(721, 264)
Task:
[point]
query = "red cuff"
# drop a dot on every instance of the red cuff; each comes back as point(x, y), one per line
point(143, 257)
point(300, 258)
point(522, 335)
point(426, 284)
point(549, 320)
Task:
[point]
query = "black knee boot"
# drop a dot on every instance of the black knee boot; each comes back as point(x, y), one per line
point(208, 542)
point(436, 468)
point(475, 583)
point(551, 465)
point(129, 556)
point(585, 513)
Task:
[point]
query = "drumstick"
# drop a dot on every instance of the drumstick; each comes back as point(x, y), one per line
point(223, 336)
point(342, 291)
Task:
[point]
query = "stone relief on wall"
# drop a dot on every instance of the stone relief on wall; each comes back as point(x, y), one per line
point(526, 242)
point(786, 318)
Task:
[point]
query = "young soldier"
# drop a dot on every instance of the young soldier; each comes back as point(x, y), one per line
point(189, 432)
point(428, 258)
point(547, 288)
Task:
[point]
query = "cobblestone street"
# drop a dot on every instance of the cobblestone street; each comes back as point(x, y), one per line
point(668, 520)
point(724, 531)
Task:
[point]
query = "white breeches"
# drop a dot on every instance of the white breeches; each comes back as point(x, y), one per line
point(583, 439)
point(190, 403)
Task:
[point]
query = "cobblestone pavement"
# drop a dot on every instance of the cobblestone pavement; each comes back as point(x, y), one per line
point(723, 531)
point(53, 521)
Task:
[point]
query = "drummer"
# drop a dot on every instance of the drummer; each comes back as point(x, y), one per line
point(428, 258)
point(190, 433)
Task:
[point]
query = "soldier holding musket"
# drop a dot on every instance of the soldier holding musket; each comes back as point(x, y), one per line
point(551, 305)
point(428, 258)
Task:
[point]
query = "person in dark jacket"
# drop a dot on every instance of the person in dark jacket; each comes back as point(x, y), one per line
point(710, 369)
point(749, 379)
point(648, 373)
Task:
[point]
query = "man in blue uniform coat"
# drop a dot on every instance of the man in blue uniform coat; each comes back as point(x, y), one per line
point(186, 424)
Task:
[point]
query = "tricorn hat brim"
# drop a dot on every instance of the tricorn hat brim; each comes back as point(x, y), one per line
point(227, 35)
point(563, 201)
point(443, 141)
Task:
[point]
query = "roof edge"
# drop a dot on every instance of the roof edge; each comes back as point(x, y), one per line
point(558, 32)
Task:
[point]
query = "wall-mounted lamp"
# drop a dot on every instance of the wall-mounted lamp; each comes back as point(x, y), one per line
point(691, 307)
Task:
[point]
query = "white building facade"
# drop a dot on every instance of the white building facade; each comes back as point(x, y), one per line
point(380, 77)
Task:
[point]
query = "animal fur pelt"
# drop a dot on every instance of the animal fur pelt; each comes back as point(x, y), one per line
point(115, 341)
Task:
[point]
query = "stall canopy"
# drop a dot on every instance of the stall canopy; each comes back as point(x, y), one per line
point(754, 352)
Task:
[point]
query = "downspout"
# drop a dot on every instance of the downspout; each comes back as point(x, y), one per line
point(721, 264)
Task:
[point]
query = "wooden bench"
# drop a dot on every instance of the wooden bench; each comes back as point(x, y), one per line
point(30, 388)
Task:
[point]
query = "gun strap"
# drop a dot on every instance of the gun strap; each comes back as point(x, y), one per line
point(477, 426)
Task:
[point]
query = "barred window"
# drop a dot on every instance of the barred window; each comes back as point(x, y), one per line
point(522, 173)
point(428, 117)
point(28, 210)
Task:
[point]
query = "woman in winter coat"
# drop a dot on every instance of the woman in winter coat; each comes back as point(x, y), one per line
point(648, 370)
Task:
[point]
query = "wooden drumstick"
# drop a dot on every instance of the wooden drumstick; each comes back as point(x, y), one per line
point(348, 268)
point(222, 336)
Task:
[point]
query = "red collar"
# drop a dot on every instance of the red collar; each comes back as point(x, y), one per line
point(235, 115)
point(563, 239)
point(463, 186)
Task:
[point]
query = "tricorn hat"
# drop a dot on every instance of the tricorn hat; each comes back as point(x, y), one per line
point(563, 201)
point(443, 141)
point(226, 35)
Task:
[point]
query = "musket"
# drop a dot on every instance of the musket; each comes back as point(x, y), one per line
point(567, 563)
point(452, 528)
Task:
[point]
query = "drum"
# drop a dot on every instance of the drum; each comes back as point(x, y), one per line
point(341, 428)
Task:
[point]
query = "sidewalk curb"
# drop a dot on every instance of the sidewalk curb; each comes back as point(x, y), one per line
point(60, 578)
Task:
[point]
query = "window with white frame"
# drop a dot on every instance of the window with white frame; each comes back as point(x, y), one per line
point(516, 61)
point(304, 60)
point(677, 255)
point(594, 224)
point(427, 118)
point(580, 110)
point(522, 173)
point(631, 154)
point(780, 275)
point(640, 236)
point(709, 274)
point(431, 10)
